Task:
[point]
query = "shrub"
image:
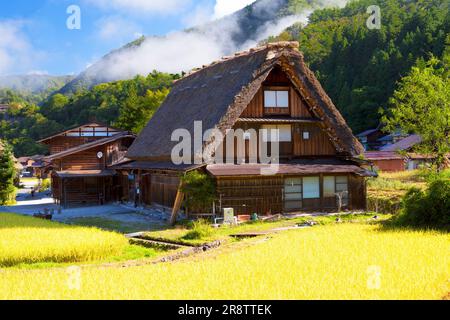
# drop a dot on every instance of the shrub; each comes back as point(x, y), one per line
point(199, 190)
point(389, 203)
point(201, 229)
point(427, 209)
point(431, 176)
point(44, 185)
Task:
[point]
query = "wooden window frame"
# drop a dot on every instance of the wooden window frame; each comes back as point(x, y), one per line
point(277, 110)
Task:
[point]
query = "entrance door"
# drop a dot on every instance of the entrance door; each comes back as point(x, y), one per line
point(293, 194)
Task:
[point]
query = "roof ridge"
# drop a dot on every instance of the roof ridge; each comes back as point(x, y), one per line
point(292, 45)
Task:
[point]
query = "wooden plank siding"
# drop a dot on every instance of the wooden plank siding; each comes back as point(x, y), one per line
point(297, 107)
point(318, 144)
point(254, 109)
point(82, 191)
point(164, 189)
point(85, 160)
point(265, 195)
point(62, 143)
point(88, 159)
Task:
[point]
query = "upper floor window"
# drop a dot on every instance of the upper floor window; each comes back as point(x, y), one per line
point(276, 98)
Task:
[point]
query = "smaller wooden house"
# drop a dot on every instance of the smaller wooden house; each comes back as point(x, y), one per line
point(80, 163)
point(369, 138)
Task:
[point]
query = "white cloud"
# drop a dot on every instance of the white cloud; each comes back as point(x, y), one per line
point(38, 73)
point(16, 52)
point(184, 50)
point(226, 7)
point(201, 14)
point(117, 28)
point(142, 6)
point(173, 53)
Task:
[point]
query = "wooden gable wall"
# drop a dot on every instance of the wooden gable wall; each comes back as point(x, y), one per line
point(88, 160)
point(84, 160)
point(62, 143)
point(277, 79)
point(319, 143)
point(77, 137)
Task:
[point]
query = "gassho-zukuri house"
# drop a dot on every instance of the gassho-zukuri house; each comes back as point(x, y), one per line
point(267, 89)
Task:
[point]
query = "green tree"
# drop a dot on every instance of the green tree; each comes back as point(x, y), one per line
point(7, 174)
point(137, 111)
point(358, 67)
point(421, 105)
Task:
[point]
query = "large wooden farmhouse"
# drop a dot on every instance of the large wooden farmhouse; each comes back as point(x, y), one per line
point(269, 87)
point(80, 164)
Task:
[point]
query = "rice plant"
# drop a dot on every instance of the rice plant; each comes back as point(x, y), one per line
point(31, 240)
point(346, 261)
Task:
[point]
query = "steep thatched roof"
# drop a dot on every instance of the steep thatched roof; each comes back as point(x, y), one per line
point(218, 94)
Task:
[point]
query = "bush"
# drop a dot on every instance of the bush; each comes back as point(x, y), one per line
point(427, 209)
point(389, 203)
point(199, 190)
point(200, 229)
point(44, 185)
point(431, 176)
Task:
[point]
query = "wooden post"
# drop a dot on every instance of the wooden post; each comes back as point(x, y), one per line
point(177, 205)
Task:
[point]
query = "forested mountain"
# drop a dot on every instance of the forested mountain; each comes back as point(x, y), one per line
point(34, 83)
point(359, 67)
point(127, 104)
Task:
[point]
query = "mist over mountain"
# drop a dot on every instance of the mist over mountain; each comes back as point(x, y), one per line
point(194, 47)
point(33, 83)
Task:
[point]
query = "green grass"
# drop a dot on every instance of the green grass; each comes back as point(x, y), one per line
point(130, 253)
point(181, 234)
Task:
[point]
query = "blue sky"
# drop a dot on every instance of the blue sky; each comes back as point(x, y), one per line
point(34, 37)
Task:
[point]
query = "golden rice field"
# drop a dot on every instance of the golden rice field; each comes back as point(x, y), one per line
point(348, 261)
point(31, 240)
